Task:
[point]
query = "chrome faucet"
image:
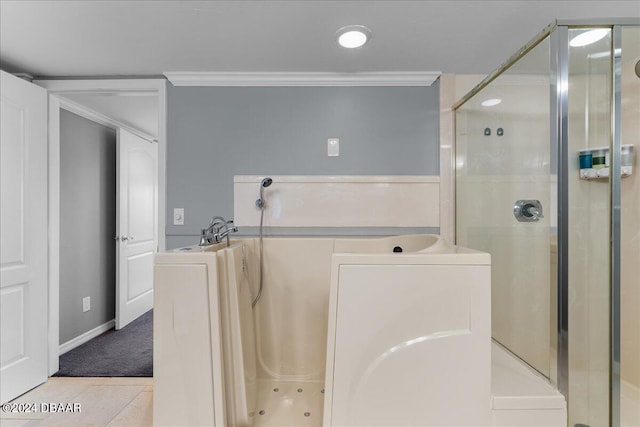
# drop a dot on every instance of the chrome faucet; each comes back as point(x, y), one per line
point(213, 234)
point(228, 229)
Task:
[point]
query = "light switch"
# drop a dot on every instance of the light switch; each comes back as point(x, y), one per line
point(86, 304)
point(178, 216)
point(333, 147)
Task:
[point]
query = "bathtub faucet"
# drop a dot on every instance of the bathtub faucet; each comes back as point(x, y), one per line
point(218, 229)
point(228, 229)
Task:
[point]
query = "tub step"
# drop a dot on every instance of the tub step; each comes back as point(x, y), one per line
point(520, 396)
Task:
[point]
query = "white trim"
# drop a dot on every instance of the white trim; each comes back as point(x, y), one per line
point(402, 179)
point(87, 336)
point(192, 78)
point(54, 232)
point(447, 154)
point(56, 89)
point(100, 118)
point(102, 86)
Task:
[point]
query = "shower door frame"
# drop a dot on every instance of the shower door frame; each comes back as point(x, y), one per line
point(558, 32)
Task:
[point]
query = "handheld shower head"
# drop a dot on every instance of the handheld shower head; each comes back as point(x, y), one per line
point(263, 184)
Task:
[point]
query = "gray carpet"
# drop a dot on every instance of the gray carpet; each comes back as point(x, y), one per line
point(124, 353)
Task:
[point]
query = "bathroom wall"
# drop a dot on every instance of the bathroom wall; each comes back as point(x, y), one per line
point(630, 219)
point(87, 224)
point(216, 133)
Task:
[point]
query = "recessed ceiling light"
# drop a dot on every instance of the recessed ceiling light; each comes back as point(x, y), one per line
point(353, 36)
point(589, 37)
point(491, 102)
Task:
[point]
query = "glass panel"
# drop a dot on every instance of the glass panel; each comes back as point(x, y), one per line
point(629, 358)
point(502, 156)
point(589, 127)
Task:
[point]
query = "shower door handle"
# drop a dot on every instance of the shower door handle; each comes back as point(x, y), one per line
point(528, 210)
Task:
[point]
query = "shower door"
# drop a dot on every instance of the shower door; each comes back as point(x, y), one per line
point(505, 201)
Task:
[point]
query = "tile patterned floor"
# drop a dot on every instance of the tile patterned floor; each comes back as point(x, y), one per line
point(103, 402)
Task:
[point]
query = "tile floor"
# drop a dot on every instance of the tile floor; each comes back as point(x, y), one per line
point(103, 402)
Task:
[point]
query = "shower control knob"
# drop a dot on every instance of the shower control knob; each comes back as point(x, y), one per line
point(528, 210)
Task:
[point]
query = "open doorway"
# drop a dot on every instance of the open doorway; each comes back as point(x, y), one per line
point(108, 185)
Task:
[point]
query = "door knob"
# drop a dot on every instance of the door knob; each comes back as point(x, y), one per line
point(124, 238)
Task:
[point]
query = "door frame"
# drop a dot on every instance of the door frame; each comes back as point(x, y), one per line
point(57, 89)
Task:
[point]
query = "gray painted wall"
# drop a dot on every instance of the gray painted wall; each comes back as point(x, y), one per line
point(216, 133)
point(87, 224)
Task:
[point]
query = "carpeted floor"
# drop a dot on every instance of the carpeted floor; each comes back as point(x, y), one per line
point(124, 353)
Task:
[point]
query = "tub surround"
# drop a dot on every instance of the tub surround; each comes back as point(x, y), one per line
point(340, 201)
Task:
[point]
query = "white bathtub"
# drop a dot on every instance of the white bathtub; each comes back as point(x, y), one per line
point(410, 334)
point(347, 332)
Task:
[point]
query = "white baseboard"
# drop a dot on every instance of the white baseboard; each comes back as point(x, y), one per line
point(81, 339)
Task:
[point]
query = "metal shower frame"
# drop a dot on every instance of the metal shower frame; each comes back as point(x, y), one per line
point(558, 32)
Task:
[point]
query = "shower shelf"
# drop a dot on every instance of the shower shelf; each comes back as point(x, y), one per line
point(594, 163)
point(603, 174)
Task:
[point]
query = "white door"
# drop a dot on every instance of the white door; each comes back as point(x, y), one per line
point(23, 236)
point(136, 225)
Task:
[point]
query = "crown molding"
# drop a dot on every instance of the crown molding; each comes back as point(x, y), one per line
point(302, 79)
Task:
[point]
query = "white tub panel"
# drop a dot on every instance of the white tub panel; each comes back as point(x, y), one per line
point(339, 201)
point(187, 368)
point(411, 346)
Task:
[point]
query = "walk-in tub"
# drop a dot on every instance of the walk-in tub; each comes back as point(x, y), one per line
point(347, 332)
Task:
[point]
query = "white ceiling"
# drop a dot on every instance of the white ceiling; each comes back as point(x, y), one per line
point(147, 38)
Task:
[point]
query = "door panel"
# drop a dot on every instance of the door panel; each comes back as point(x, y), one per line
point(140, 281)
point(23, 231)
point(137, 225)
point(504, 165)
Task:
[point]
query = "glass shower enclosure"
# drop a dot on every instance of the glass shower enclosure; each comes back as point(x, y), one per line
point(547, 182)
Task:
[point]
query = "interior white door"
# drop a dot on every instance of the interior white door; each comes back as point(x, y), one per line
point(136, 225)
point(23, 236)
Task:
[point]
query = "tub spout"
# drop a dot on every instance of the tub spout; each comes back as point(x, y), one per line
point(228, 229)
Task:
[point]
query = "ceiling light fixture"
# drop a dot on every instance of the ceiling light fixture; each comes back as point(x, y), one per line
point(353, 36)
point(589, 37)
point(491, 102)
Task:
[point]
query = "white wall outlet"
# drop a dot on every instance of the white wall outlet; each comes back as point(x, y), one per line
point(333, 147)
point(86, 304)
point(178, 216)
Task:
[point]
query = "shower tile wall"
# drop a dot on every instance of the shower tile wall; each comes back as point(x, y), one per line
point(630, 235)
point(589, 126)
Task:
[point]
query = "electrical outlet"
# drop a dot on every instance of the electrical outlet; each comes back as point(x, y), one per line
point(178, 216)
point(333, 147)
point(86, 304)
